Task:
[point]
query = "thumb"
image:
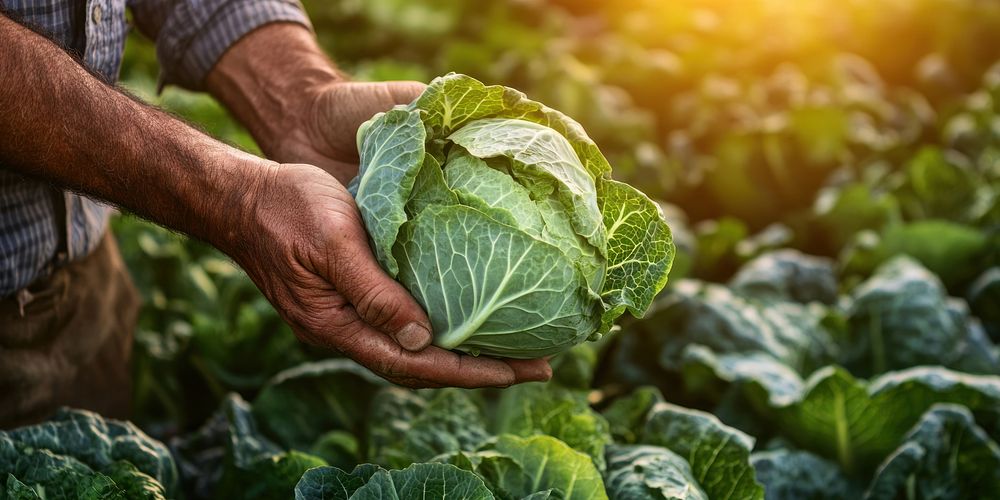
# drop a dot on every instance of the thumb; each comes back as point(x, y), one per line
point(404, 92)
point(379, 300)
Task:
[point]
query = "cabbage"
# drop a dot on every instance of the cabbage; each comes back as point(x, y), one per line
point(499, 215)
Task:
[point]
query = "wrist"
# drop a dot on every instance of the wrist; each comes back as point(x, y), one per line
point(231, 200)
point(270, 79)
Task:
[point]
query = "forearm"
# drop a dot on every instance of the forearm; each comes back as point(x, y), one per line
point(268, 79)
point(60, 124)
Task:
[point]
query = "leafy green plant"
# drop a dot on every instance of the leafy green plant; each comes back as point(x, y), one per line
point(78, 454)
point(500, 217)
point(368, 482)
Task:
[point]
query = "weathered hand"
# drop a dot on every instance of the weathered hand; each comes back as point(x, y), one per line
point(304, 243)
point(307, 250)
point(324, 135)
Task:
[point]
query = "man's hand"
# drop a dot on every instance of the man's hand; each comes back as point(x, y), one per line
point(325, 134)
point(298, 107)
point(293, 227)
point(307, 249)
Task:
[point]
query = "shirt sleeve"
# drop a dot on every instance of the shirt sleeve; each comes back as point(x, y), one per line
point(191, 35)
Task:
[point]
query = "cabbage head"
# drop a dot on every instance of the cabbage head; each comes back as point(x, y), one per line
point(499, 215)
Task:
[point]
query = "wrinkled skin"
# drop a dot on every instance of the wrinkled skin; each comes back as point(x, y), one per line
point(310, 254)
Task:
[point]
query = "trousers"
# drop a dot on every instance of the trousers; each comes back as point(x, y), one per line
point(67, 341)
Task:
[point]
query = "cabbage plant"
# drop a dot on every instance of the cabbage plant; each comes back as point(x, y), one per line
point(500, 216)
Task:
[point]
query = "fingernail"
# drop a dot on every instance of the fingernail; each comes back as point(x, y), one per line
point(413, 337)
point(543, 375)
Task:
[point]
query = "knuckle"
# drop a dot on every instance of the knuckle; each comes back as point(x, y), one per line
point(390, 367)
point(376, 306)
point(349, 335)
point(395, 365)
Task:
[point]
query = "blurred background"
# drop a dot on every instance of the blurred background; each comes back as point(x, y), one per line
point(851, 129)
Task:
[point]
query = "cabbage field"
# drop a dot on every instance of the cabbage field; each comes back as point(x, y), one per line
point(830, 172)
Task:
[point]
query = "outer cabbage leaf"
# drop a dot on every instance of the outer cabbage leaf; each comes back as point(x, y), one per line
point(794, 474)
point(408, 427)
point(78, 447)
point(328, 483)
point(946, 455)
point(788, 275)
point(650, 472)
point(453, 100)
point(493, 289)
point(430, 481)
point(839, 417)
point(640, 250)
point(719, 455)
point(540, 409)
point(517, 467)
point(392, 153)
point(902, 317)
point(300, 403)
point(628, 414)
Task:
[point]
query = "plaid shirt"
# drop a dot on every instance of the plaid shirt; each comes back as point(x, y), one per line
point(190, 35)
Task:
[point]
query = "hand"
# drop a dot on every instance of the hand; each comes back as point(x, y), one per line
point(280, 85)
point(325, 132)
point(307, 250)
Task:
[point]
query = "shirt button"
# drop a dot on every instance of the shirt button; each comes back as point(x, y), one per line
point(97, 14)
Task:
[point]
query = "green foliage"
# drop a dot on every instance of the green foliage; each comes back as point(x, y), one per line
point(799, 164)
point(945, 455)
point(791, 474)
point(517, 467)
point(300, 403)
point(902, 317)
point(539, 409)
point(627, 415)
point(788, 275)
point(418, 480)
point(650, 472)
point(719, 455)
point(250, 465)
point(77, 454)
point(411, 427)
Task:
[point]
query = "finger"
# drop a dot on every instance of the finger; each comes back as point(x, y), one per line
point(438, 367)
point(404, 92)
point(377, 299)
point(385, 305)
point(530, 370)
